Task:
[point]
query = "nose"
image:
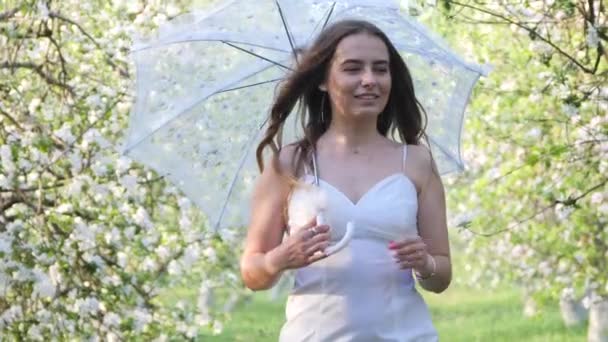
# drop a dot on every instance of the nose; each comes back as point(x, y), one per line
point(368, 78)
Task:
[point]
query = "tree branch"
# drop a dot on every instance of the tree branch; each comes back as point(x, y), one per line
point(38, 69)
point(571, 201)
point(526, 28)
point(109, 60)
point(8, 14)
point(11, 119)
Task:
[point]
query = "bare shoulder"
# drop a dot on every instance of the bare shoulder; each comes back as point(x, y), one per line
point(419, 165)
point(420, 156)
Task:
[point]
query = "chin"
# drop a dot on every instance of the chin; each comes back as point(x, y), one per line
point(367, 112)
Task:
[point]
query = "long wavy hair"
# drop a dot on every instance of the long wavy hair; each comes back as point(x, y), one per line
point(402, 118)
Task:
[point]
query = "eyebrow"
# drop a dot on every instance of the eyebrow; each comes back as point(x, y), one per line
point(358, 61)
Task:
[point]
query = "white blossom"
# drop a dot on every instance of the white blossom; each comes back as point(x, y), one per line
point(534, 133)
point(142, 218)
point(6, 157)
point(121, 259)
point(142, 318)
point(55, 274)
point(111, 320)
point(597, 197)
point(64, 208)
point(43, 286)
point(191, 255)
point(88, 306)
point(149, 264)
point(210, 254)
point(122, 164)
point(65, 133)
point(84, 234)
point(569, 110)
point(34, 333)
point(130, 183)
point(563, 212)
point(162, 252)
point(5, 244)
point(9, 315)
point(43, 9)
point(174, 268)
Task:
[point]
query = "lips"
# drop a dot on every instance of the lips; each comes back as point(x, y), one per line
point(367, 96)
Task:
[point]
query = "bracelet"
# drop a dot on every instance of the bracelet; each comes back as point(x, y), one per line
point(433, 272)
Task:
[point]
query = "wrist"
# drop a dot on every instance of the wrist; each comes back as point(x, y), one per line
point(272, 263)
point(430, 268)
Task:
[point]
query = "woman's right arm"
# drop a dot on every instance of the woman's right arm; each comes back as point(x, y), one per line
point(265, 255)
point(258, 269)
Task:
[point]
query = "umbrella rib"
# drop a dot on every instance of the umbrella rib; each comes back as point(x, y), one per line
point(186, 108)
point(170, 42)
point(249, 85)
point(331, 11)
point(327, 16)
point(289, 37)
point(233, 182)
point(446, 152)
point(257, 55)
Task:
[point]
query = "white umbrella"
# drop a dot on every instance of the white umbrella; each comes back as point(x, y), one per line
point(206, 81)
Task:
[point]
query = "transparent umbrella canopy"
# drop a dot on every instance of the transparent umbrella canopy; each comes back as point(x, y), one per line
point(205, 83)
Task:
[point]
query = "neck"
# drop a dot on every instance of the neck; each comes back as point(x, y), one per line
point(352, 135)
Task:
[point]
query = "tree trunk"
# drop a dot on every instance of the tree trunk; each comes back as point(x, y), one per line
point(598, 321)
point(573, 312)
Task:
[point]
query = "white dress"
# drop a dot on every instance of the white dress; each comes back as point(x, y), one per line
point(359, 293)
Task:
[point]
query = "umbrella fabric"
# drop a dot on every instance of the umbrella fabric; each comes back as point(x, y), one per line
point(205, 83)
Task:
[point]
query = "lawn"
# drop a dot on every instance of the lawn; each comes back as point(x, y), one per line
point(459, 315)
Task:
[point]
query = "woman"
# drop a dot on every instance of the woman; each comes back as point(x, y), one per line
point(357, 94)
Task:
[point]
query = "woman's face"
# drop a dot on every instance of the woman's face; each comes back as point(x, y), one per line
point(359, 79)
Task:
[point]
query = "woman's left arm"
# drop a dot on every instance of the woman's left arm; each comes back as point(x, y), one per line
point(436, 273)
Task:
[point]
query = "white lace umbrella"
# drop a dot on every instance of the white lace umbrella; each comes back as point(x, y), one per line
point(205, 83)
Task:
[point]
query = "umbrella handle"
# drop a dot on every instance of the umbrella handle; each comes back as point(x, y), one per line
point(350, 229)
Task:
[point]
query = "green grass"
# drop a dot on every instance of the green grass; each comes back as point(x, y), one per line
point(459, 315)
point(466, 315)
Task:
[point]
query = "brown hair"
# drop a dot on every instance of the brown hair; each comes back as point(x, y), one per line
point(403, 114)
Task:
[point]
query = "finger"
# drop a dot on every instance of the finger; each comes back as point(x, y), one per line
point(317, 247)
point(417, 259)
point(318, 229)
point(405, 264)
point(321, 237)
point(316, 257)
point(418, 247)
point(322, 228)
point(402, 243)
point(319, 254)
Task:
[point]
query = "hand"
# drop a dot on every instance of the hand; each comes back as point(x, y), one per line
point(300, 249)
point(411, 253)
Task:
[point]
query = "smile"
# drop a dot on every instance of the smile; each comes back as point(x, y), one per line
point(367, 97)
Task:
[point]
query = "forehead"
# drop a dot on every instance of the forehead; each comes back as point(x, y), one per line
point(361, 46)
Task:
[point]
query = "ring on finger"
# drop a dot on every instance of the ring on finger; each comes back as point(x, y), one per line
point(314, 231)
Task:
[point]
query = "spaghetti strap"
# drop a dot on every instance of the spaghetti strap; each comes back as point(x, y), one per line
point(404, 158)
point(315, 168)
point(307, 170)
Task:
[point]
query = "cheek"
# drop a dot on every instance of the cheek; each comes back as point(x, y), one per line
point(345, 84)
